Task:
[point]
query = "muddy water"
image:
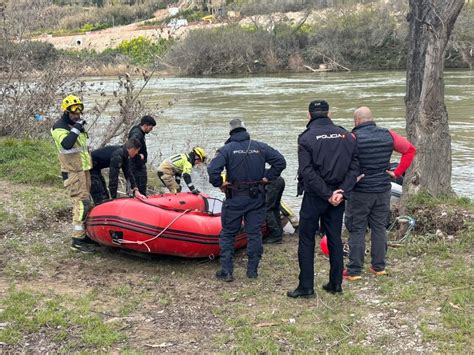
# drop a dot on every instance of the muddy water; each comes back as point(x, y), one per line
point(274, 110)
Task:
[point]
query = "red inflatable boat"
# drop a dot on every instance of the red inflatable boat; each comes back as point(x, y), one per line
point(179, 224)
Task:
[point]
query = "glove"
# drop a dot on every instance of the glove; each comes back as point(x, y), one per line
point(80, 125)
point(196, 192)
point(179, 188)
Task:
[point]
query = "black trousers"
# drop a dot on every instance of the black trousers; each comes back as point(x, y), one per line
point(272, 203)
point(141, 178)
point(99, 190)
point(314, 209)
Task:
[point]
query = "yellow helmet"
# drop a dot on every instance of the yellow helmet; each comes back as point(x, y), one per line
point(73, 104)
point(200, 153)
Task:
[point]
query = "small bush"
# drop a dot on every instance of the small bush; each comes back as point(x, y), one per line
point(29, 162)
point(143, 50)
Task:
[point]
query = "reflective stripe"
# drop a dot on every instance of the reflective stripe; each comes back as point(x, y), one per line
point(73, 150)
point(78, 227)
point(76, 131)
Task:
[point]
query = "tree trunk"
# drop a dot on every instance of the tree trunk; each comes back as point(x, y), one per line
point(431, 22)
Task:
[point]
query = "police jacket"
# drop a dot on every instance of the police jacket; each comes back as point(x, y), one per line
point(71, 142)
point(327, 158)
point(374, 148)
point(114, 157)
point(137, 161)
point(244, 160)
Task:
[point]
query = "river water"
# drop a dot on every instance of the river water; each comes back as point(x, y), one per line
point(274, 111)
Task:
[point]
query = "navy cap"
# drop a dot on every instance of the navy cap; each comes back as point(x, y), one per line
point(318, 105)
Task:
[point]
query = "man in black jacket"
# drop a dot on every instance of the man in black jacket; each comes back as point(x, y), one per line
point(327, 171)
point(138, 163)
point(114, 157)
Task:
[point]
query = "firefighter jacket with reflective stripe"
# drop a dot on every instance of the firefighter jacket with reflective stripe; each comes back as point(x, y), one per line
point(180, 163)
point(72, 146)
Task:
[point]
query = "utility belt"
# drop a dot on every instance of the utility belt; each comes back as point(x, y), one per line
point(244, 190)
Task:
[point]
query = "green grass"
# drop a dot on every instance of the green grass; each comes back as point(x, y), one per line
point(29, 312)
point(31, 162)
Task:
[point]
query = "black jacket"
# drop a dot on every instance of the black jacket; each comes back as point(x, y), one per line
point(244, 160)
point(114, 157)
point(327, 158)
point(137, 162)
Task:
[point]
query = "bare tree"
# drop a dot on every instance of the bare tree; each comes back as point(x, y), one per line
point(431, 23)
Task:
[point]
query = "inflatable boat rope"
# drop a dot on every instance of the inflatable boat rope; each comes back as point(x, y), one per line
point(144, 242)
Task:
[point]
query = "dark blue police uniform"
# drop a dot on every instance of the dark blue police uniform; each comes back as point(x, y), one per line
point(327, 161)
point(244, 161)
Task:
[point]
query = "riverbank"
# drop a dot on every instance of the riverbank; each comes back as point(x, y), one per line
point(55, 300)
point(363, 37)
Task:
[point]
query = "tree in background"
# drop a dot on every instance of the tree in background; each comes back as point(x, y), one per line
point(431, 23)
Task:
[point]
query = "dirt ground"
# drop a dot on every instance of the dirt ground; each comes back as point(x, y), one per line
point(167, 304)
point(112, 37)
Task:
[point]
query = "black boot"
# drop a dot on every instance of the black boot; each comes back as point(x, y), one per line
point(332, 288)
point(301, 292)
point(252, 274)
point(224, 276)
point(273, 240)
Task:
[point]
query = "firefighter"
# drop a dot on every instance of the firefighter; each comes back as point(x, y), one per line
point(114, 157)
point(180, 166)
point(327, 172)
point(71, 141)
point(138, 163)
point(244, 161)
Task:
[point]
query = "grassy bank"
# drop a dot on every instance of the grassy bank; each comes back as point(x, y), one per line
point(55, 300)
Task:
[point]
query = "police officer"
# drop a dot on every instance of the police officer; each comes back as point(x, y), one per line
point(114, 157)
point(138, 163)
point(327, 171)
point(244, 160)
point(71, 140)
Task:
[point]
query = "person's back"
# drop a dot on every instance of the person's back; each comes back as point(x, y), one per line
point(101, 157)
point(327, 172)
point(116, 158)
point(180, 165)
point(244, 161)
point(370, 201)
point(327, 149)
point(374, 148)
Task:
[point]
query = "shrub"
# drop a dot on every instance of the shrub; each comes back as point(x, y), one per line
point(364, 39)
point(221, 51)
point(143, 50)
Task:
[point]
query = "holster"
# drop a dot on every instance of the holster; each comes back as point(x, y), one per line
point(246, 190)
